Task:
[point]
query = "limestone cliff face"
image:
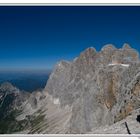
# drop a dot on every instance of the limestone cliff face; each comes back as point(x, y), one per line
point(102, 88)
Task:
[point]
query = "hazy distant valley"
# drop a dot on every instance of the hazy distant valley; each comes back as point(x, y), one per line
point(26, 80)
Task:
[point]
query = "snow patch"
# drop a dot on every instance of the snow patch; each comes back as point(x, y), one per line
point(60, 65)
point(112, 64)
point(56, 101)
point(124, 65)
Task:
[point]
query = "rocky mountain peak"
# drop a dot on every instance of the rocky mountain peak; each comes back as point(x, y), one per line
point(126, 46)
point(108, 47)
point(89, 52)
point(6, 86)
point(63, 64)
point(129, 53)
point(86, 59)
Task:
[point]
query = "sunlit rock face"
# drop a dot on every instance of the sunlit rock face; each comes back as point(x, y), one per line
point(101, 87)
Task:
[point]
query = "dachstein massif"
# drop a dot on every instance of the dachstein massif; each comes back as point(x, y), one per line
point(96, 93)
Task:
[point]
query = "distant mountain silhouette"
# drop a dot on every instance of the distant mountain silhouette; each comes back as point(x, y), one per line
point(25, 81)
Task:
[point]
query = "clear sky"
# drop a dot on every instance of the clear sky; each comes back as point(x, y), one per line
point(39, 37)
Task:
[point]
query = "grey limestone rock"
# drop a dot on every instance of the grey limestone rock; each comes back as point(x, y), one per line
point(101, 87)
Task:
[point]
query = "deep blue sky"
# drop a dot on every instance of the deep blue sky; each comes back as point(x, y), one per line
point(38, 37)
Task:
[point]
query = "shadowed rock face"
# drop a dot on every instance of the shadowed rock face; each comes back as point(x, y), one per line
point(31, 113)
point(11, 100)
point(101, 87)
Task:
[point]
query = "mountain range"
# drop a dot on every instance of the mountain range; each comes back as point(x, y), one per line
point(96, 93)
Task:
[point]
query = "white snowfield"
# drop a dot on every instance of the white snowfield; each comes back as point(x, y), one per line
point(113, 64)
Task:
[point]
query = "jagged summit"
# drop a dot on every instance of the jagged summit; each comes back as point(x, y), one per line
point(126, 46)
point(6, 86)
point(108, 47)
point(87, 54)
point(108, 54)
point(89, 51)
point(63, 63)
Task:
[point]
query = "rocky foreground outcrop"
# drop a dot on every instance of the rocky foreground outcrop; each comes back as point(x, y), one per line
point(94, 94)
